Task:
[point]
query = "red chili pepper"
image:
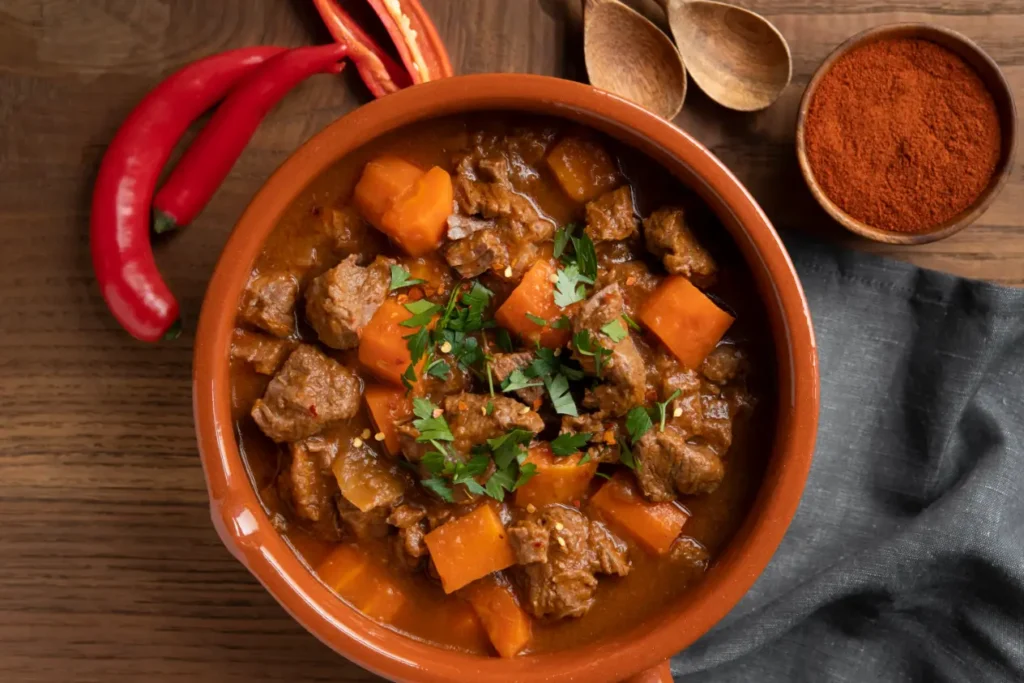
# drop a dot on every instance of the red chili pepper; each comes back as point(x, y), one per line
point(415, 39)
point(381, 74)
point(119, 224)
point(209, 159)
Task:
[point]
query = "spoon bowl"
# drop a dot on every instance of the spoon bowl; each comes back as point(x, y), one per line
point(736, 56)
point(628, 55)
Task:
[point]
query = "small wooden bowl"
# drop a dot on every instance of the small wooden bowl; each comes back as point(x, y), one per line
point(994, 81)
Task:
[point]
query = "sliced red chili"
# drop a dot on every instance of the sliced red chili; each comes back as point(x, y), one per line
point(415, 38)
point(381, 74)
point(209, 159)
point(119, 222)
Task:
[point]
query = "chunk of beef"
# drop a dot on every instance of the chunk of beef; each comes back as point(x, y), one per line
point(669, 238)
point(264, 353)
point(309, 391)
point(269, 303)
point(404, 516)
point(307, 482)
point(363, 525)
point(345, 228)
point(408, 546)
point(600, 448)
point(610, 217)
point(724, 364)
point(482, 188)
point(366, 480)
point(504, 364)
point(470, 423)
point(340, 302)
point(460, 227)
point(716, 422)
point(623, 368)
point(689, 551)
point(672, 376)
point(559, 551)
point(667, 464)
point(477, 253)
point(635, 280)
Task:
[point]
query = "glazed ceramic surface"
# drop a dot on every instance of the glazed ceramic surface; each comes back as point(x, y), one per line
point(246, 529)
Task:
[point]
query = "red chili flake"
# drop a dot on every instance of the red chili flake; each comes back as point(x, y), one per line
point(576, 503)
point(312, 411)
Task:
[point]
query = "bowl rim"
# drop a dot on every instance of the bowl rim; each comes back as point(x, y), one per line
point(1005, 105)
point(244, 526)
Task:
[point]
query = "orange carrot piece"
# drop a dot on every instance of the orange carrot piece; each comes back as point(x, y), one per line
point(383, 181)
point(459, 622)
point(507, 625)
point(653, 525)
point(363, 583)
point(558, 479)
point(417, 219)
point(383, 349)
point(583, 168)
point(470, 547)
point(685, 320)
point(535, 295)
point(388, 405)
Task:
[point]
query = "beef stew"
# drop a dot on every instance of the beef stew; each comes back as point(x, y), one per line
point(502, 383)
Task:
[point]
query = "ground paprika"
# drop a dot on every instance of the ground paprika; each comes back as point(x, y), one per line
point(902, 134)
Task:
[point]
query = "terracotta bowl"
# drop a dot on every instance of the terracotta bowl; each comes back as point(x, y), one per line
point(247, 532)
point(990, 75)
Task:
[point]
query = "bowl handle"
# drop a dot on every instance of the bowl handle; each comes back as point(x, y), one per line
point(659, 673)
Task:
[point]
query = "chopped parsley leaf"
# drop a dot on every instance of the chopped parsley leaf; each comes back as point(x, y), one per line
point(626, 456)
point(490, 407)
point(507, 446)
point(422, 311)
point(439, 369)
point(430, 428)
point(567, 444)
point(518, 380)
point(400, 277)
point(440, 487)
point(586, 256)
point(561, 398)
point(409, 377)
point(570, 286)
point(504, 340)
point(660, 407)
point(587, 346)
point(638, 423)
point(562, 236)
point(526, 473)
point(632, 323)
point(537, 320)
point(417, 344)
point(561, 324)
point(615, 330)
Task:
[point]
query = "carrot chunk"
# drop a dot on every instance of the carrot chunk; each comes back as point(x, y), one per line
point(535, 295)
point(653, 525)
point(685, 320)
point(363, 583)
point(388, 406)
point(583, 168)
point(383, 349)
point(416, 220)
point(383, 181)
point(558, 479)
point(507, 625)
point(470, 547)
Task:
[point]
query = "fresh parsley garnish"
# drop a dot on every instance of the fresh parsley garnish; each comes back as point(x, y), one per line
point(439, 369)
point(430, 428)
point(638, 423)
point(626, 456)
point(422, 311)
point(615, 330)
point(517, 380)
point(440, 487)
point(661, 407)
point(586, 256)
point(409, 377)
point(400, 277)
point(561, 323)
point(585, 345)
point(567, 444)
point(417, 344)
point(537, 320)
point(570, 286)
point(562, 236)
point(507, 446)
point(526, 473)
point(632, 323)
point(490, 407)
point(504, 340)
point(561, 398)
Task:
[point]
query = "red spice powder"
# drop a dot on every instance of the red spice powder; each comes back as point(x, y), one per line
point(902, 134)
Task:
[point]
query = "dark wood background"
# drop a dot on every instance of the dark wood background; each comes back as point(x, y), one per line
point(109, 566)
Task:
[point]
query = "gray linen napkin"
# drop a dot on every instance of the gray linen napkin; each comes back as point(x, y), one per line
point(905, 561)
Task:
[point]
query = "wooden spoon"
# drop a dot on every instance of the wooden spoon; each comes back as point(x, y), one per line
point(628, 55)
point(736, 56)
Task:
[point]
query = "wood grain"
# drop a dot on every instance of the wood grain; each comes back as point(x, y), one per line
point(109, 567)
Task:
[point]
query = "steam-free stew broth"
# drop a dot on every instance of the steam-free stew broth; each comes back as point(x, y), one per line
point(503, 384)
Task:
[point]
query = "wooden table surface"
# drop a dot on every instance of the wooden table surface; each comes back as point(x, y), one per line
point(109, 566)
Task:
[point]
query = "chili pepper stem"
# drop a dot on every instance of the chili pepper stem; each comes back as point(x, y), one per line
point(163, 222)
point(174, 331)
